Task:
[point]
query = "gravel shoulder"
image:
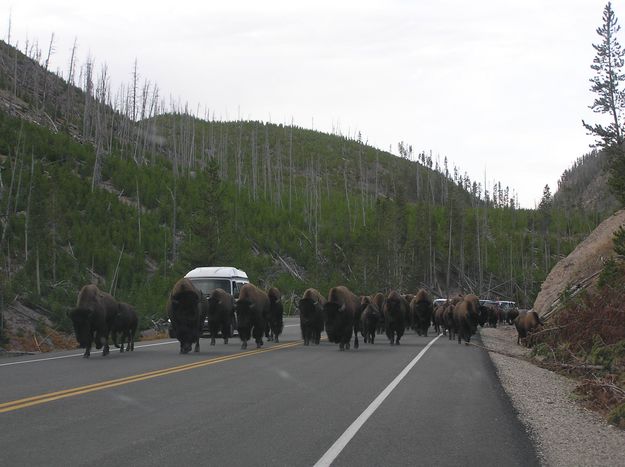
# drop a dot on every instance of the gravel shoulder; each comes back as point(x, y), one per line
point(564, 432)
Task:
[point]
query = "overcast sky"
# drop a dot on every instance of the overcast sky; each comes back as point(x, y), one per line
point(499, 87)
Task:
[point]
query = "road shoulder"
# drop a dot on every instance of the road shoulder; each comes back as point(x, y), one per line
point(563, 431)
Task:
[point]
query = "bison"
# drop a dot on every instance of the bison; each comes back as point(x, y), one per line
point(395, 312)
point(421, 312)
point(369, 319)
point(448, 316)
point(494, 314)
point(219, 312)
point(93, 317)
point(379, 300)
point(125, 323)
point(439, 318)
point(274, 324)
point(185, 314)
point(466, 316)
point(311, 316)
point(512, 315)
point(526, 323)
point(252, 308)
point(342, 313)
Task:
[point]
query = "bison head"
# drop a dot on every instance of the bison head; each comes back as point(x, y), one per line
point(244, 310)
point(335, 317)
point(81, 320)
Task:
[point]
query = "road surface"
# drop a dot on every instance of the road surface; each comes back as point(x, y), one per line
point(428, 401)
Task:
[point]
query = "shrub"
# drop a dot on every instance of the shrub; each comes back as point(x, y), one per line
point(617, 416)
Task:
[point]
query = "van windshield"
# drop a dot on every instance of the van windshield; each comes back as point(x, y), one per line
point(207, 285)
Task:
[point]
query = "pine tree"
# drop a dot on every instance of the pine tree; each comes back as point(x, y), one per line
point(610, 100)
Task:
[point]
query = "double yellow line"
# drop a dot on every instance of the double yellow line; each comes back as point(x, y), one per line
point(52, 396)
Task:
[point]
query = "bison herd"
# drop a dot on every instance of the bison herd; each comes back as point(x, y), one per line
point(257, 314)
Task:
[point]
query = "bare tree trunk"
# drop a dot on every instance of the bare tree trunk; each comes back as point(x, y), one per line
point(115, 274)
point(138, 210)
point(349, 211)
point(38, 273)
point(291, 167)
point(451, 218)
point(27, 219)
point(173, 245)
point(7, 214)
point(45, 74)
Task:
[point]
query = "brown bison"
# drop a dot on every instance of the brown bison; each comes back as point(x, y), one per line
point(448, 316)
point(252, 308)
point(421, 312)
point(311, 316)
point(439, 318)
point(125, 323)
point(93, 317)
point(512, 315)
point(526, 323)
point(274, 322)
point(494, 313)
point(342, 314)
point(379, 300)
point(395, 312)
point(219, 312)
point(369, 319)
point(185, 314)
point(466, 316)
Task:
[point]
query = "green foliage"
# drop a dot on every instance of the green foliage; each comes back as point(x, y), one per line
point(617, 416)
point(611, 275)
point(608, 356)
point(607, 84)
point(366, 219)
point(618, 240)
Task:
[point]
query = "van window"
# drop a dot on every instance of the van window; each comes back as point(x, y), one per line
point(207, 285)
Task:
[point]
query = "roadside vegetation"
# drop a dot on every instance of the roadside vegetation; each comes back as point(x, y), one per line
point(586, 339)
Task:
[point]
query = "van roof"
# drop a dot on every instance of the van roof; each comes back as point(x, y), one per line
point(217, 271)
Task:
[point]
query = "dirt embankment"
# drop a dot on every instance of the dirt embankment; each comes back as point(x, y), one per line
point(581, 267)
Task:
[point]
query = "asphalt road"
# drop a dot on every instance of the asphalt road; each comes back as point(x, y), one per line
point(286, 405)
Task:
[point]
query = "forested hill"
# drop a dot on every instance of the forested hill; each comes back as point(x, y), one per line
point(114, 188)
point(585, 185)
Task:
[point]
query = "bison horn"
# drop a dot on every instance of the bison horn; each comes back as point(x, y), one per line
point(342, 309)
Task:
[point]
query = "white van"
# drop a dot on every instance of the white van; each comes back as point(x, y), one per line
point(207, 279)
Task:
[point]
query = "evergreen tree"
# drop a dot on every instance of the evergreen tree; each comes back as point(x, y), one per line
point(208, 217)
point(547, 200)
point(610, 100)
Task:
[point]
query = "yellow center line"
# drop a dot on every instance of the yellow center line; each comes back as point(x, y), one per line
point(52, 396)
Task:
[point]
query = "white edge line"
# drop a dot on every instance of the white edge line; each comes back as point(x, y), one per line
point(338, 446)
point(97, 352)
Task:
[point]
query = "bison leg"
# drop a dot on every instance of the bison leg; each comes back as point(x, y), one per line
point(244, 345)
point(114, 337)
point(212, 340)
point(197, 345)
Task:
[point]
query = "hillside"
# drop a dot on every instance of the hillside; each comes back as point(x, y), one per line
point(585, 186)
point(581, 268)
point(133, 196)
